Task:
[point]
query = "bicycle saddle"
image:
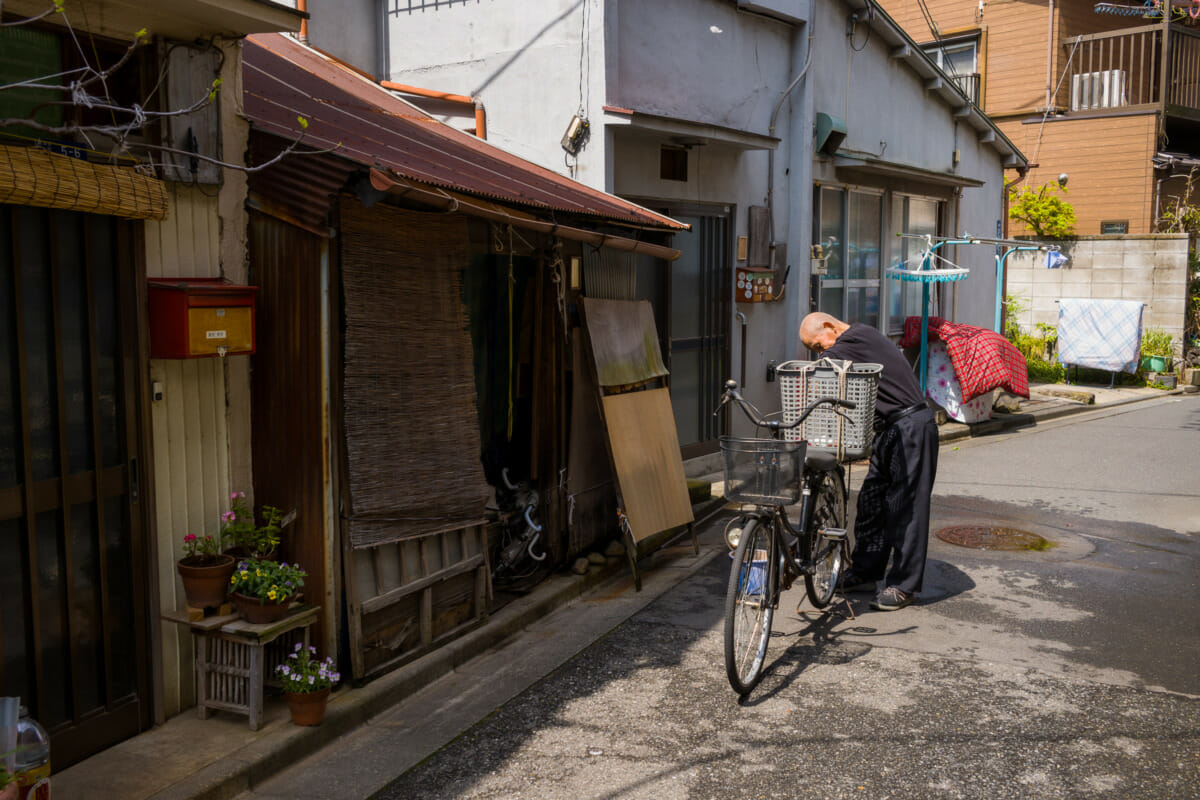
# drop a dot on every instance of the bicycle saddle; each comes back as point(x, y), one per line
point(820, 461)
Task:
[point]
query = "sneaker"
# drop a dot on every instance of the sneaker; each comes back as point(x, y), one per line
point(852, 583)
point(891, 599)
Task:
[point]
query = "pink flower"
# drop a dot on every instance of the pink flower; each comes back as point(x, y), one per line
point(191, 537)
point(229, 516)
point(237, 495)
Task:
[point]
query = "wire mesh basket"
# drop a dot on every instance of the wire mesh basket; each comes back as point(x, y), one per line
point(802, 382)
point(764, 472)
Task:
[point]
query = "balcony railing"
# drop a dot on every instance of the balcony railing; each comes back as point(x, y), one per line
point(969, 84)
point(1123, 69)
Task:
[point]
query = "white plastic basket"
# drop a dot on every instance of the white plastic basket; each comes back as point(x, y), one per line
point(802, 382)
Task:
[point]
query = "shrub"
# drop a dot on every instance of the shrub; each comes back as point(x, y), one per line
point(1042, 210)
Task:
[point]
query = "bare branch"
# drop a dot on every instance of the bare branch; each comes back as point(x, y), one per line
point(55, 8)
point(289, 150)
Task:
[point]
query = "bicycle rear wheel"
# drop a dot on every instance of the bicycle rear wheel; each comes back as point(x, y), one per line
point(826, 555)
point(748, 612)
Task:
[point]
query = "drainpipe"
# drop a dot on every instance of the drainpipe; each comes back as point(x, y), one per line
point(1049, 55)
point(302, 7)
point(771, 152)
point(480, 114)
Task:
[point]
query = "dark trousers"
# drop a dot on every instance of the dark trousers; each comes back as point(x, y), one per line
point(893, 503)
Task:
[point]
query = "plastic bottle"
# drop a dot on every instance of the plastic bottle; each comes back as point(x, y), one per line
point(33, 759)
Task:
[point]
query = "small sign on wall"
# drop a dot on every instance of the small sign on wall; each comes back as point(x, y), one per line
point(754, 287)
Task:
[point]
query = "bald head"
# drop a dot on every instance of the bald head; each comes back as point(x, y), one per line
point(818, 331)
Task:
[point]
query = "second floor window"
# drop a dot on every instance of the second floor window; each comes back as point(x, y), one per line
point(959, 59)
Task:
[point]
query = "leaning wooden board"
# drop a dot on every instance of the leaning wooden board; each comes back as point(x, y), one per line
point(645, 453)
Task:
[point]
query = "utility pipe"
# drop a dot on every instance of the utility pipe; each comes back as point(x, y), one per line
point(456, 202)
point(1049, 54)
point(302, 7)
point(771, 152)
point(480, 114)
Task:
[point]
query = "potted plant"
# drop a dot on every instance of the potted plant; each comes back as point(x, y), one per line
point(8, 785)
point(1158, 347)
point(244, 536)
point(262, 589)
point(307, 682)
point(204, 570)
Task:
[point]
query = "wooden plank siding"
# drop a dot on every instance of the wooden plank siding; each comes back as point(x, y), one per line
point(188, 428)
point(1108, 160)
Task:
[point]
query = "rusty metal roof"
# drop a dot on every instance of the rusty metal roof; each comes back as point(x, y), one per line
point(283, 80)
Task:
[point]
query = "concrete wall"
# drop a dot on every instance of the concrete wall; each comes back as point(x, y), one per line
point(1151, 268)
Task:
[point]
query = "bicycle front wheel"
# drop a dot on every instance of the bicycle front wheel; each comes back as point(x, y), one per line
point(826, 555)
point(748, 611)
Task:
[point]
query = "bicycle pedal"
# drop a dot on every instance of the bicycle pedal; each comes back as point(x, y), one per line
point(834, 533)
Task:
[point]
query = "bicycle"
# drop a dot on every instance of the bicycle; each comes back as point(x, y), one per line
point(768, 552)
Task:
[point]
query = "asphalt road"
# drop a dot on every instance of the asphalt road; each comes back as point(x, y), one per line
point(1063, 673)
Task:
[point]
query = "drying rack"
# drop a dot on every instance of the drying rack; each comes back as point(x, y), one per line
point(936, 268)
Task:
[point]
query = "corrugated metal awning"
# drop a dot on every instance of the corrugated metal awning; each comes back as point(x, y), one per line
point(284, 80)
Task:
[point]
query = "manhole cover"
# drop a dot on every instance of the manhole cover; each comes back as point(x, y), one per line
point(990, 537)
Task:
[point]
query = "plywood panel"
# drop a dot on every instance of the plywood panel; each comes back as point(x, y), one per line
point(645, 453)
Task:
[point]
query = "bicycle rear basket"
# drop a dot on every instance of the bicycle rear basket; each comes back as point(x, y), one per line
point(765, 472)
point(802, 382)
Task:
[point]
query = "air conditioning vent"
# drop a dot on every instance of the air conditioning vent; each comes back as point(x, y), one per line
point(1103, 89)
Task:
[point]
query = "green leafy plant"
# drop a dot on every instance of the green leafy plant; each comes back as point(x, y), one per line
point(241, 529)
point(1042, 210)
point(301, 673)
point(268, 581)
point(1015, 305)
point(1178, 214)
point(1157, 342)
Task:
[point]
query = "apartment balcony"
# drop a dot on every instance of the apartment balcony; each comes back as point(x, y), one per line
point(1123, 71)
point(969, 84)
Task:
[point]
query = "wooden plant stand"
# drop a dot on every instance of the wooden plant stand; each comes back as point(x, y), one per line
point(235, 659)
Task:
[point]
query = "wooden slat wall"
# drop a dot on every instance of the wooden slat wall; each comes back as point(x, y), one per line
point(1108, 160)
point(287, 400)
point(190, 441)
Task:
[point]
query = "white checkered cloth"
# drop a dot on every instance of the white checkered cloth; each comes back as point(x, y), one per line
point(1101, 334)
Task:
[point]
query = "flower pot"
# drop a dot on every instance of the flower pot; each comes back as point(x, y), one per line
point(1155, 363)
point(205, 579)
point(254, 611)
point(9, 792)
point(308, 708)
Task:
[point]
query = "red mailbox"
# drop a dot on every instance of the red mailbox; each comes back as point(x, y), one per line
point(200, 318)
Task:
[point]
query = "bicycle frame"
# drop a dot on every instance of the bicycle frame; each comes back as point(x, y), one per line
point(777, 519)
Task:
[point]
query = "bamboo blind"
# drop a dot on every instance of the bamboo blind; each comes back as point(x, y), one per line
point(412, 430)
point(34, 177)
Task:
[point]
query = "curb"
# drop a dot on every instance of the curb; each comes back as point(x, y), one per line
point(351, 708)
point(1006, 422)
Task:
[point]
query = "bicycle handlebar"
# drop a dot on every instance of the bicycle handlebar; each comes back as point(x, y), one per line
point(731, 393)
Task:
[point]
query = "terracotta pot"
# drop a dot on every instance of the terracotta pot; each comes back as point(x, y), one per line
point(9, 792)
point(308, 708)
point(205, 579)
point(259, 612)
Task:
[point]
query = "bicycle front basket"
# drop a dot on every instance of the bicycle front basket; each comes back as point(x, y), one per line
point(764, 472)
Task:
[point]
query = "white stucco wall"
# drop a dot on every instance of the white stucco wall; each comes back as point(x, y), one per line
point(890, 115)
point(525, 67)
